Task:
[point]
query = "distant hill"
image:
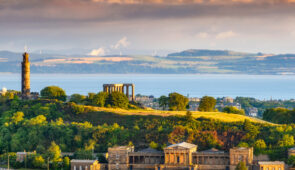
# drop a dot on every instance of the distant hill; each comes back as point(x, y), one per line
point(193, 61)
point(195, 52)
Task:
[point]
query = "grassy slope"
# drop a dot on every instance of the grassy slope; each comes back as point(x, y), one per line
point(102, 114)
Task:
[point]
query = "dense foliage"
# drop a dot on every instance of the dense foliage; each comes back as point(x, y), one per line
point(53, 92)
point(177, 101)
point(279, 115)
point(207, 104)
point(234, 110)
point(50, 127)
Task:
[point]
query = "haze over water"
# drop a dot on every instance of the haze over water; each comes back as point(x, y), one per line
point(258, 86)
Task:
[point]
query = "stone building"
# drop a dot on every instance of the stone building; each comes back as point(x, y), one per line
point(86, 165)
point(291, 152)
point(184, 156)
point(181, 156)
point(123, 88)
point(267, 165)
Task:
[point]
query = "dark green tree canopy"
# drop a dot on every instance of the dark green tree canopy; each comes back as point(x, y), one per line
point(234, 110)
point(77, 98)
point(207, 104)
point(100, 99)
point(163, 102)
point(177, 102)
point(53, 92)
point(118, 99)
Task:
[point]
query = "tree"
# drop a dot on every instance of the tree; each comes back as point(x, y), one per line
point(118, 99)
point(189, 115)
point(291, 161)
point(163, 102)
point(38, 120)
point(259, 144)
point(286, 141)
point(77, 98)
point(241, 166)
point(66, 163)
point(53, 92)
point(17, 117)
point(38, 161)
point(100, 99)
point(54, 152)
point(251, 130)
point(177, 102)
point(207, 104)
point(234, 110)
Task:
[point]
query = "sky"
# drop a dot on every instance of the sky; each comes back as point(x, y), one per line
point(102, 27)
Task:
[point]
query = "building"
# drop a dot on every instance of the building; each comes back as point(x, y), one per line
point(291, 152)
point(268, 165)
point(252, 111)
point(22, 156)
point(180, 156)
point(123, 88)
point(25, 85)
point(3, 91)
point(86, 165)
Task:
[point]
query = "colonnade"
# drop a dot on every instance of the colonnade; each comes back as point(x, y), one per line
point(211, 159)
point(123, 88)
point(178, 157)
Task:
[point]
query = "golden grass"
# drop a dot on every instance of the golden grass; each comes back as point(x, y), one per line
point(225, 117)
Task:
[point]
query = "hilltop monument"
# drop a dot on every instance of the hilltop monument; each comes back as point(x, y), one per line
point(25, 77)
point(109, 88)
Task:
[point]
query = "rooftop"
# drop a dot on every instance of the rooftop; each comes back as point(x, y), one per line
point(270, 163)
point(183, 144)
point(213, 150)
point(83, 161)
point(149, 150)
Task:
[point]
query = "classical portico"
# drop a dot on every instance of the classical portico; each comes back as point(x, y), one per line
point(123, 88)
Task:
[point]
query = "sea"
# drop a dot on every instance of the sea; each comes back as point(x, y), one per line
point(263, 87)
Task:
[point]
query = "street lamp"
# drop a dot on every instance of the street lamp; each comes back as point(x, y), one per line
point(8, 161)
point(48, 163)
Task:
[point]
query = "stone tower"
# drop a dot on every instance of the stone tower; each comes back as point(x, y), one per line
point(25, 76)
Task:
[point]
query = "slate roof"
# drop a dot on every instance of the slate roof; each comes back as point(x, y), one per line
point(83, 161)
point(149, 150)
point(184, 145)
point(270, 163)
point(213, 150)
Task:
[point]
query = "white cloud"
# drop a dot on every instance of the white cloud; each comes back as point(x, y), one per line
point(121, 43)
point(97, 52)
point(225, 35)
point(202, 35)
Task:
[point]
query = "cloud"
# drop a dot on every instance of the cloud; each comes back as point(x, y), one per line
point(121, 43)
point(225, 35)
point(97, 52)
point(202, 35)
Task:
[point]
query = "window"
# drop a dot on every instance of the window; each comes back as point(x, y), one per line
point(117, 156)
point(117, 166)
point(178, 159)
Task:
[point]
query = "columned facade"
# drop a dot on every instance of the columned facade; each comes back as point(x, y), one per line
point(123, 88)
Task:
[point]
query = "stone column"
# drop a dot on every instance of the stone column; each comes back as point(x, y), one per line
point(133, 95)
point(127, 91)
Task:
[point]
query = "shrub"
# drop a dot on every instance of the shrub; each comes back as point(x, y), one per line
point(53, 92)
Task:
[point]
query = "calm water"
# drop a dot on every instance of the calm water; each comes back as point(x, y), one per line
point(261, 87)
